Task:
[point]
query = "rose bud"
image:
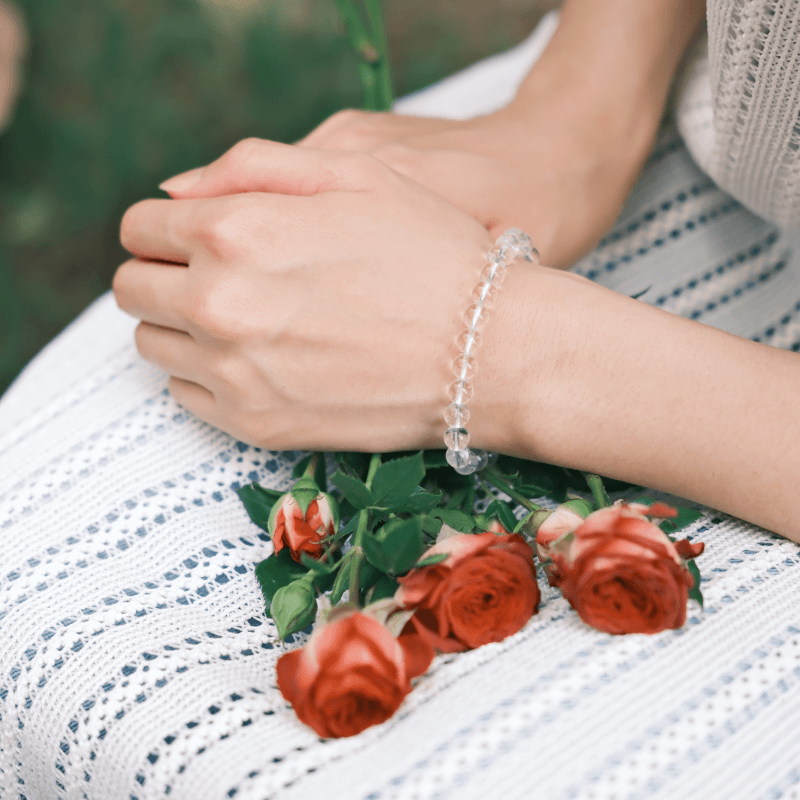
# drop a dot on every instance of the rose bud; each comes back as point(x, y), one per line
point(299, 529)
point(484, 591)
point(352, 674)
point(551, 526)
point(622, 573)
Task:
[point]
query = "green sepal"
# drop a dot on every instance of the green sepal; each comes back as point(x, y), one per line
point(305, 491)
point(529, 525)
point(319, 567)
point(384, 588)
point(275, 572)
point(458, 520)
point(354, 490)
point(273, 514)
point(396, 546)
point(436, 558)
point(580, 506)
point(686, 516)
point(503, 512)
point(395, 481)
point(294, 607)
point(342, 579)
point(694, 571)
point(258, 502)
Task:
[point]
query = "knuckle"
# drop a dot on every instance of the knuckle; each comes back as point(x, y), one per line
point(244, 151)
point(218, 231)
point(211, 310)
point(365, 168)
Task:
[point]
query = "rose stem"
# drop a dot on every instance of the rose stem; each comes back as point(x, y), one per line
point(358, 539)
point(598, 490)
point(496, 479)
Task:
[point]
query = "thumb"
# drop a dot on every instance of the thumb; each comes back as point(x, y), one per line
point(259, 165)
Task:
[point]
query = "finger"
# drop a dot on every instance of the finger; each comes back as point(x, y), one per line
point(195, 398)
point(161, 230)
point(174, 351)
point(156, 293)
point(258, 165)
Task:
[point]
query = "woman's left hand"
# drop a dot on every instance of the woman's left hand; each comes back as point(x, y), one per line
point(316, 309)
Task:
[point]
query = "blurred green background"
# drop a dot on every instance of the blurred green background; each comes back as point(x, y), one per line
point(117, 95)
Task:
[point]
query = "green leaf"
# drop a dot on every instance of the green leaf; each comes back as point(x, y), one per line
point(385, 587)
point(436, 558)
point(694, 571)
point(396, 546)
point(396, 480)
point(258, 503)
point(275, 572)
point(419, 502)
point(456, 519)
point(434, 459)
point(457, 498)
point(355, 490)
point(294, 607)
point(431, 525)
point(503, 512)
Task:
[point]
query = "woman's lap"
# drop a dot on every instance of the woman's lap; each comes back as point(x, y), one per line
point(136, 655)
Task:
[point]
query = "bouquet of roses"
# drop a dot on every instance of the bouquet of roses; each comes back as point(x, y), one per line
point(394, 562)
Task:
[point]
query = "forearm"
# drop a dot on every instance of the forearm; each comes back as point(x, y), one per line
point(636, 393)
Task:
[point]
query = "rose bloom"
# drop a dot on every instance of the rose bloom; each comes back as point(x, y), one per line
point(485, 590)
point(352, 673)
point(619, 570)
point(302, 534)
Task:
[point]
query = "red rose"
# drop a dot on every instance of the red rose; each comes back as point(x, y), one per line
point(484, 591)
point(352, 673)
point(621, 572)
point(302, 533)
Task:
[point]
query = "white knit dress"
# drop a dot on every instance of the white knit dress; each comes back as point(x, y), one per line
point(136, 661)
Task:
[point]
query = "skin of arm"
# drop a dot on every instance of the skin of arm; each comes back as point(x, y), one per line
point(310, 317)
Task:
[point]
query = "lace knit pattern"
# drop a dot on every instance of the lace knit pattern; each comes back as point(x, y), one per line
point(748, 88)
point(136, 661)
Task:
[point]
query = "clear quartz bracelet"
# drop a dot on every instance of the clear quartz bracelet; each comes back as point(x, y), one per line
point(511, 245)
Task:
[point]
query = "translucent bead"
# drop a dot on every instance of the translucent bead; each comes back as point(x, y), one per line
point(460, 391)
point(475, 316)
point(456, 438)
point(494, 273)
point(464, 366)
point(485, 294)
point(469, 340)
point(458, 459)
point(456, 415)
point(478, 458)
point(502, 254)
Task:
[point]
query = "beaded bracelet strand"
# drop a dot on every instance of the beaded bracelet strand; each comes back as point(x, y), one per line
point(511, 245)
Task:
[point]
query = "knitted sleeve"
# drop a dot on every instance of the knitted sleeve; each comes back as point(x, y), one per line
point(739, 111)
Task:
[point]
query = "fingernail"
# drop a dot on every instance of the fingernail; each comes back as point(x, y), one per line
point(183, 182)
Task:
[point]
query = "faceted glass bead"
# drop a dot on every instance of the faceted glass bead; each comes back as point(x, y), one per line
point(500, 253)
point(469, 341)
point(464, 366)
point(458, 459)
point(485, 294)
point(475, 316)
point(460, 391)
point(456, 438)
point(456, 415)
point(495, 273)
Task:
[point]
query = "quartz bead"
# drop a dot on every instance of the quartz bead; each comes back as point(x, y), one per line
point(494, 274)
point(475, 317)
point(465, 366)
point(469, 340)
point(458, 459)
point(485, 294)
point(460, 391)
point(456, 415)
point(456, 438)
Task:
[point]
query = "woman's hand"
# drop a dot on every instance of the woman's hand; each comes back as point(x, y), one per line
point(318, 309)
